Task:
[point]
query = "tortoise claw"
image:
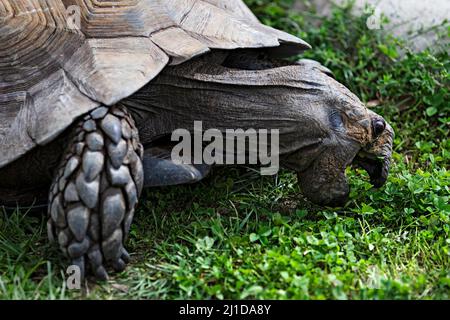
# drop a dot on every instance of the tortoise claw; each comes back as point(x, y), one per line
point(125, 256)
point(119, 265)
point(101, 274)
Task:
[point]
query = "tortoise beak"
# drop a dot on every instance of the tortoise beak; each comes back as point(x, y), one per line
point(378, 169)
point(376, 158)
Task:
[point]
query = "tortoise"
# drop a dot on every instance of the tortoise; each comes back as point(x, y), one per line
point(87, 109)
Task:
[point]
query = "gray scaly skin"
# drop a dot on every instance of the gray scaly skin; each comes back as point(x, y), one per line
point(95, 190)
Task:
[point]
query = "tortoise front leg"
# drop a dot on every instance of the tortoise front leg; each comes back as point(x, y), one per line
point(95, 191)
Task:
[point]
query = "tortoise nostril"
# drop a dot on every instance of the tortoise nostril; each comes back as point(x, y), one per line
point(379, 125)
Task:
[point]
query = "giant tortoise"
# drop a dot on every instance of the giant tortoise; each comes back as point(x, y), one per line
point(87, 109)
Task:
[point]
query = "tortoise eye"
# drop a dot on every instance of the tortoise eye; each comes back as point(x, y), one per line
point(379, 125)
point(336, 120)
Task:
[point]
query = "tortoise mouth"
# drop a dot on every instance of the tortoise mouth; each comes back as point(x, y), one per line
point(376, 167)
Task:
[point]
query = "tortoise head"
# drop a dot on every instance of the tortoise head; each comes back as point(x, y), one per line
point(350, 133)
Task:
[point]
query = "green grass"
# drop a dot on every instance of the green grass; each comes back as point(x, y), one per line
point(239, 235)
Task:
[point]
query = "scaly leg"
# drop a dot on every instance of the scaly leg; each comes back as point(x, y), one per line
point(95, 190)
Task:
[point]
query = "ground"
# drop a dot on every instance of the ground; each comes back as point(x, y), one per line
point(415, 21)
point(240, 235)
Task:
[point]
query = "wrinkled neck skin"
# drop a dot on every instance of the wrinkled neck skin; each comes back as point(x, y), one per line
point(322, 126)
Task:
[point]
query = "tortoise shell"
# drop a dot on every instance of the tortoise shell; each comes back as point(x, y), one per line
point(61, 59)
